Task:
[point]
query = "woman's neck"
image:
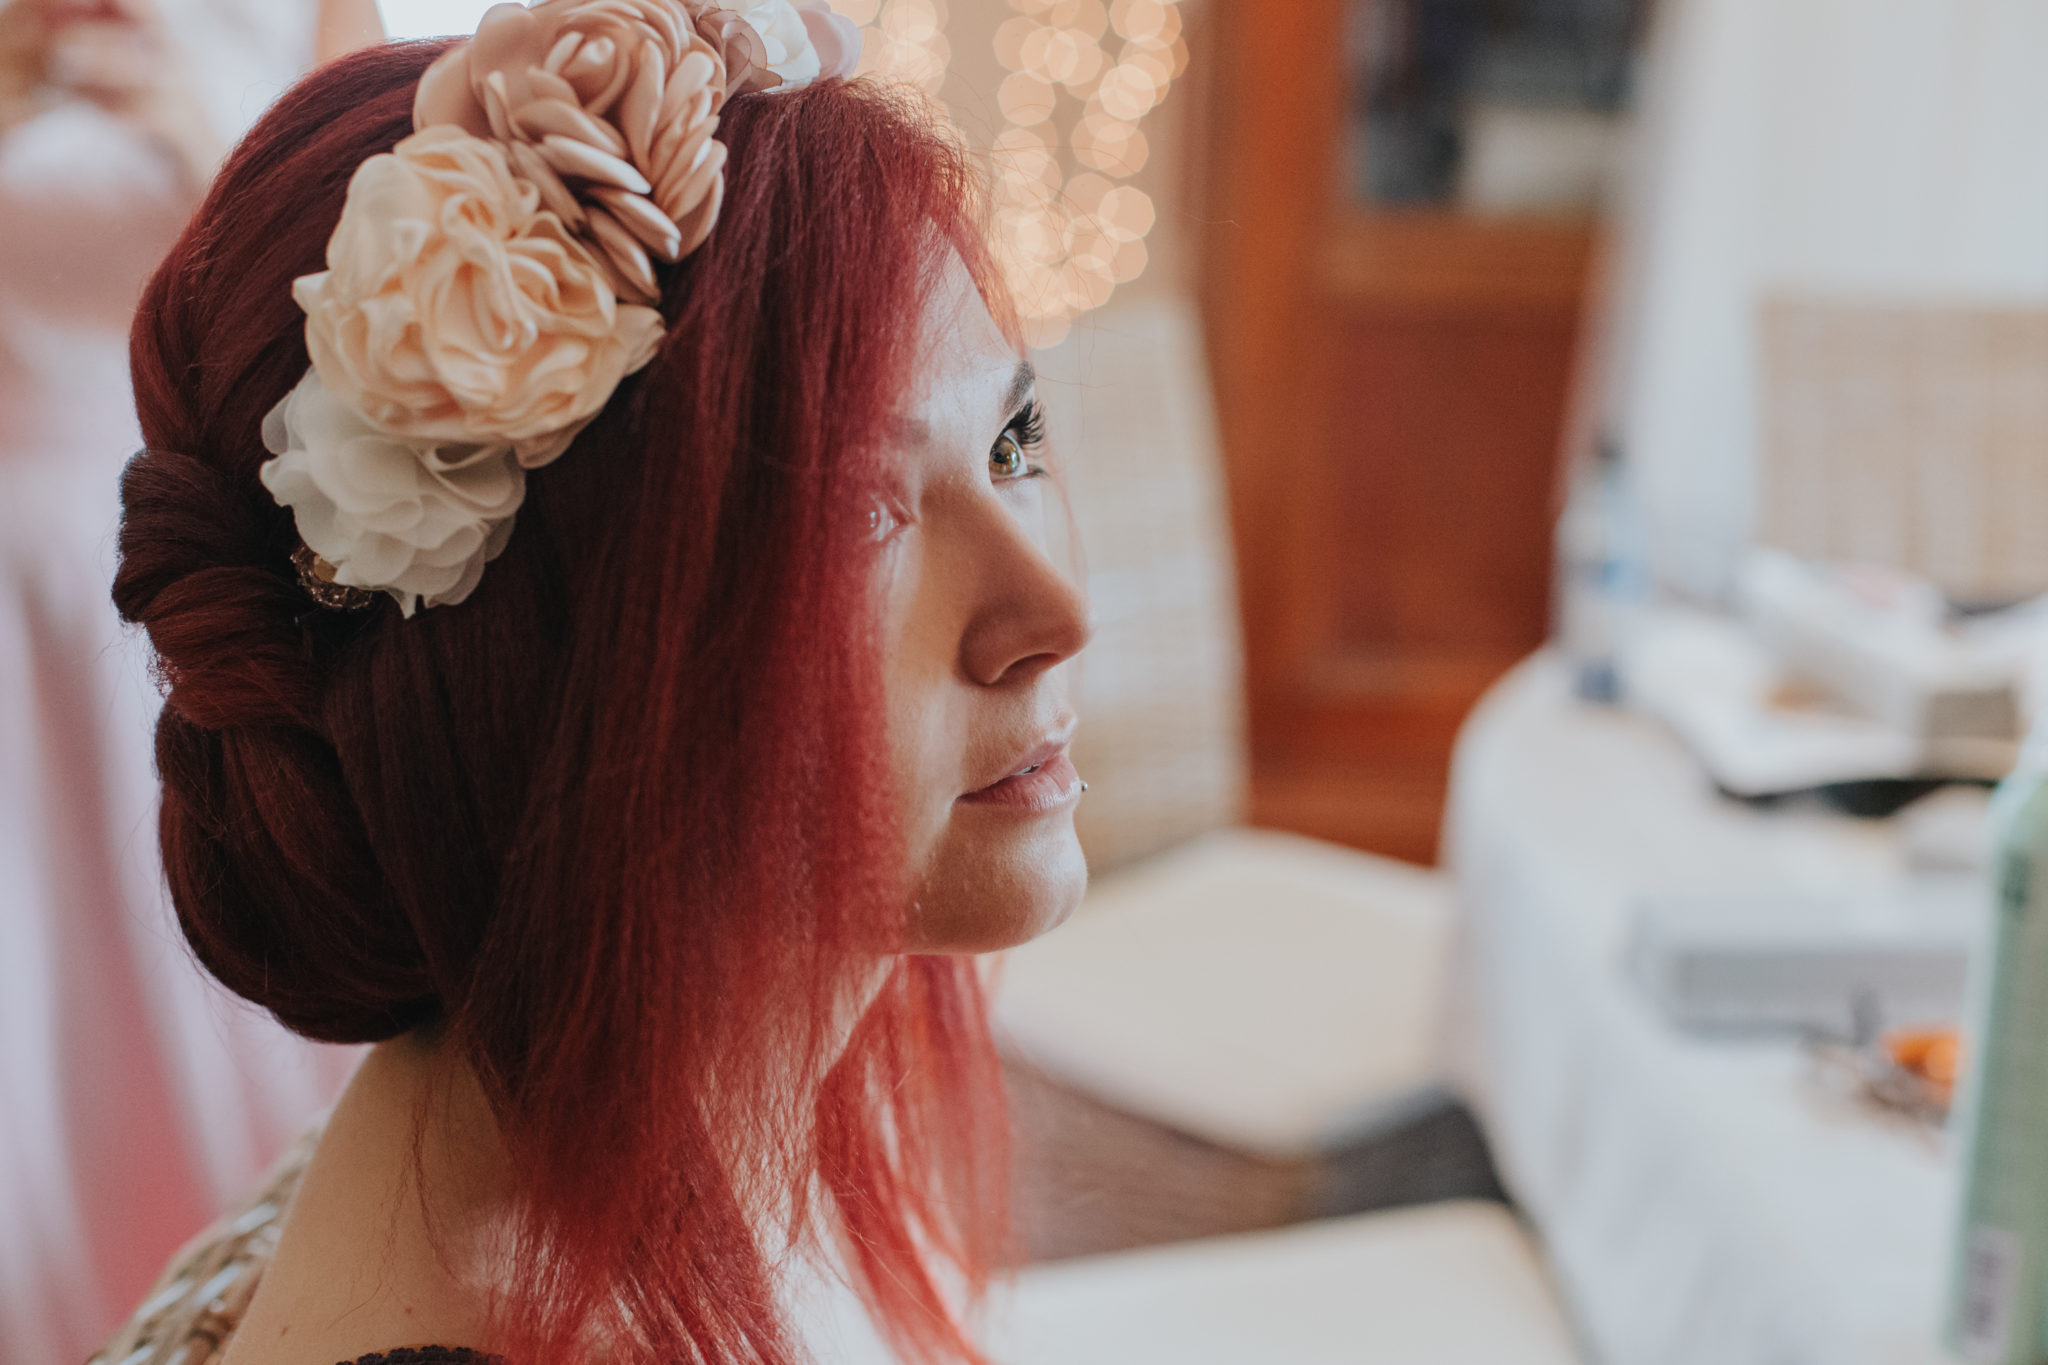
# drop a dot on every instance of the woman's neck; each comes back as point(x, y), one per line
point(365, 1261)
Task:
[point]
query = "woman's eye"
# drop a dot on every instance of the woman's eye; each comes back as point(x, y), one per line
point(882, 520)
point(1006, 460)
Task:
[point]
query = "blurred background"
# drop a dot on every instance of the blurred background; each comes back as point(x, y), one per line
point(1563, 485)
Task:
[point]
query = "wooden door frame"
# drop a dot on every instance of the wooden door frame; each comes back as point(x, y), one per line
point(1286, 266)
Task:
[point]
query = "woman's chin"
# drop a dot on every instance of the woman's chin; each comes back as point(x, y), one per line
point(979, 899)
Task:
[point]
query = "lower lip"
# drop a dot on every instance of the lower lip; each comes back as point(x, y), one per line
point(1054, 785)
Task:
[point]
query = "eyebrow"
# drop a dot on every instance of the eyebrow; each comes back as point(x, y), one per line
point(1022, 379)
point(917, 432)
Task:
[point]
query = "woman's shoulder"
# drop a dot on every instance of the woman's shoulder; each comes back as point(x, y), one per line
point(200, 1300)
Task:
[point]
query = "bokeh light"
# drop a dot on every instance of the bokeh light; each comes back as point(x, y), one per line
point(1082, 76)
point(1068, 233)
point(902, 39)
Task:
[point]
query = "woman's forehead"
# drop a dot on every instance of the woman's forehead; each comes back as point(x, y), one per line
point(968, 370)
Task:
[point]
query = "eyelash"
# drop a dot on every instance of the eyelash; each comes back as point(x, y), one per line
point(1026, 429)
point(1027, 432)
point(1029, 424)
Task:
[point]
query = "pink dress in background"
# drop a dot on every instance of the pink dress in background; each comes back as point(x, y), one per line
point(136, 1099)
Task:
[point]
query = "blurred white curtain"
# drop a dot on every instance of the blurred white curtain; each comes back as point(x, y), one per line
point(1888, 150)
point(135, 1099)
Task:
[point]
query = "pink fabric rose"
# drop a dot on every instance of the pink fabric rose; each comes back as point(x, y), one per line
point(608, 107)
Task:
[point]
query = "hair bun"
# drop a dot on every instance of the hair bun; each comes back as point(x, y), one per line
point(277, 888)
point(198, 572)
point(273, 875)
point(279, 883)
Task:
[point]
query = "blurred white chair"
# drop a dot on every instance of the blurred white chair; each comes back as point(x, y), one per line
point(1451, 1284)
point(1239, 1028)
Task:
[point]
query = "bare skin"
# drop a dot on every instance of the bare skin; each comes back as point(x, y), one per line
point(980, 619)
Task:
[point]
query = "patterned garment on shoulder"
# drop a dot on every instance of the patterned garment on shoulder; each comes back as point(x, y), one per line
point(190, 1314)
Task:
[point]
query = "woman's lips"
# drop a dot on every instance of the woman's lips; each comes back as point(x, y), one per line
point(1044, 786)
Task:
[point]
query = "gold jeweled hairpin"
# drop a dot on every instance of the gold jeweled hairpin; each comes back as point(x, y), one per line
point(316, 576)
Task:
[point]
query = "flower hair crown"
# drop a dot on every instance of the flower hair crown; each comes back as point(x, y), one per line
point(491, 279)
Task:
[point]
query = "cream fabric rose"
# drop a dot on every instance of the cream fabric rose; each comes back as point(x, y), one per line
point(418, 521)
point(470, 320)
point(455, 309)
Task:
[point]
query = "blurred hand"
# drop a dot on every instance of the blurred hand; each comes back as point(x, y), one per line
point(23, 35)
point(116, 54)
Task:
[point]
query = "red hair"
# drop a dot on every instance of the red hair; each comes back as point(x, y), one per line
point(620, 822)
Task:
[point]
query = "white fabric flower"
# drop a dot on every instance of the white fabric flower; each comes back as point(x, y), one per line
point(834, 37)
point(781, 26)
point(416, 519)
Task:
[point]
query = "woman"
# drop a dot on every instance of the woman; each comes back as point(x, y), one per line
point(612, 663)
point(134, 1098)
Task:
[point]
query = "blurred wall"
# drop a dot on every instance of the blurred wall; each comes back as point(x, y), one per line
point(1836, 148)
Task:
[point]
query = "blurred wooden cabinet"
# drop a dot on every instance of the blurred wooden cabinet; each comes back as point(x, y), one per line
point(1391, 383)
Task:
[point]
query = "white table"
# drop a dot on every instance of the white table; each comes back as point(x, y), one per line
point(1702, 1201)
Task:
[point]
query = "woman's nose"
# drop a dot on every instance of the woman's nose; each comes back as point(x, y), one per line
point(1031, 616)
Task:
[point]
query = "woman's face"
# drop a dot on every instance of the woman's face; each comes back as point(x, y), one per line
point(980, 620)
